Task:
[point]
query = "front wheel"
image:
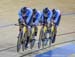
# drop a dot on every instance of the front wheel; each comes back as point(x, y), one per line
point(39, 44)
point(19, 41)
point(23, 47)
point(32, 42)
point(50, 41)
point(18, 45)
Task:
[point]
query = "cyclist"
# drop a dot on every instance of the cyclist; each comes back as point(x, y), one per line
point(46, 17)
point(25, 14)
point(34, 22)
point(56, 16)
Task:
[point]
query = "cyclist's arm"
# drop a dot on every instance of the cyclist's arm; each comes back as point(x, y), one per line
point(42, 18)
point(49, 16)
point(20, 16)
point(57, 16)
point(29, 14)
point(38, 18)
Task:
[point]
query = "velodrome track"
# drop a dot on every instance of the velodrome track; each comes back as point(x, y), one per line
point(8, 31)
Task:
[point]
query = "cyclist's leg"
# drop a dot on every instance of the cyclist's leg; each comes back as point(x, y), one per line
point(27, 41)
point(54, 37)
point(40, 39)
point(28, 37)
point(36, 30)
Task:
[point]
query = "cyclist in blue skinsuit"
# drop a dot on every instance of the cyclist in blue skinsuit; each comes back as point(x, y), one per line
point(46, 17)
point(25, 14)
point(56, 16)
point(34, 22)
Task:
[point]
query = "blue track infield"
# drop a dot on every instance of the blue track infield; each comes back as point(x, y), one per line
point(64, 51)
